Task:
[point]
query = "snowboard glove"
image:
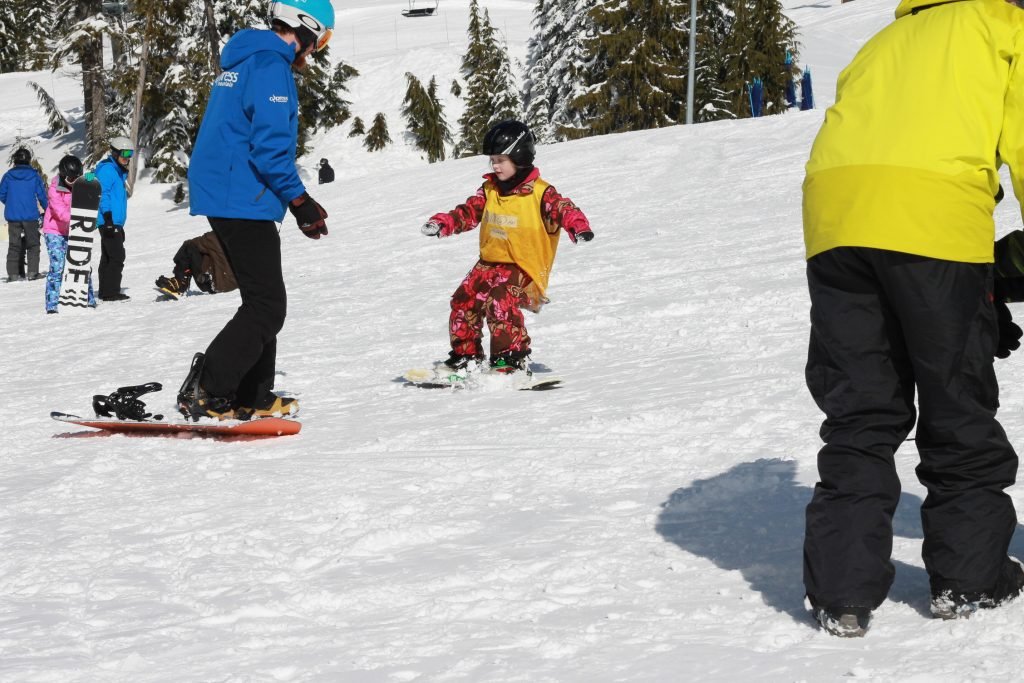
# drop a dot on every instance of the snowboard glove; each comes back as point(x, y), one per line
point(431, 229)
point(1009, 289)
point(584, 236)
point(309, 215)
point(1009, 332)
point(108, 219)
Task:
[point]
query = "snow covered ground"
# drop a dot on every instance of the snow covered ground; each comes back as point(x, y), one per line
point(642, 523)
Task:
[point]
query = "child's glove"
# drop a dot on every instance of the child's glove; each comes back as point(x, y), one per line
point(1009, 332)
point(584, 236)
point(431, 229)
point(309, 215)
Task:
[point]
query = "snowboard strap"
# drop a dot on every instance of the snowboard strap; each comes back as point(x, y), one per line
point(125, 404)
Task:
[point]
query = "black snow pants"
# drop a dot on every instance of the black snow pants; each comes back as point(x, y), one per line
point(242, 358)
point(882, 325)
point(111, 267)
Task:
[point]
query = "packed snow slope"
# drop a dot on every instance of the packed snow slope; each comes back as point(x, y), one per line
point(642, 523)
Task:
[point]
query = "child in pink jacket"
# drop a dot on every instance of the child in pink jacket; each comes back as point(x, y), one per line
point(56, 221)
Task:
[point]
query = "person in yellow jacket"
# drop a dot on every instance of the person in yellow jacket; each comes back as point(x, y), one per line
point(521, 218)
point(897, 212)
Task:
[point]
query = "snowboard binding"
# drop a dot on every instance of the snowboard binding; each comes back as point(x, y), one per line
point(124, 404)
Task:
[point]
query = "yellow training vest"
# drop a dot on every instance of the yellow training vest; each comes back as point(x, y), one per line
point(513, 231)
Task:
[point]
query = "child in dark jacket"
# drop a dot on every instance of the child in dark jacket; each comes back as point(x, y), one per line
point(520, 218)
point(24, 197)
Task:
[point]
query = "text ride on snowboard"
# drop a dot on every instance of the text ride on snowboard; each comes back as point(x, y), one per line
point(78, 263)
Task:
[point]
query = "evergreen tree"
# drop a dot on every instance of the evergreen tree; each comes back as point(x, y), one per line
point(756, 47)
point(415, 110)
point(638, 77)
point(711, 100)
point(378, 138)
point(10, 40)
point(320, 104)
point(358, 128)
point(437, 133)
point(21, 23)
point(79, 27)
point(56, 121)
point(491, 95)
point(424, 115)
point(556, 62)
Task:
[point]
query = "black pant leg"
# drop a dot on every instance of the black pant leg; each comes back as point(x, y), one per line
point(966, 459)
point(859, 375)
point(112, 255)
point(31, 248)
point(241, 359)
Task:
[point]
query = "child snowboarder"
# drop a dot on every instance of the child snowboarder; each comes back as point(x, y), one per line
point(56, 223)
point(520, 216)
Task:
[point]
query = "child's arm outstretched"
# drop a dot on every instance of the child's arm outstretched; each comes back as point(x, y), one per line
point(560, 211)
point(462, 218)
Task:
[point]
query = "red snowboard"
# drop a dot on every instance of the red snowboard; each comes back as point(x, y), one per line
point(264, 426)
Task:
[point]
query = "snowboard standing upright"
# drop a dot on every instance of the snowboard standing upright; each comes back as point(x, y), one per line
point(82, 244)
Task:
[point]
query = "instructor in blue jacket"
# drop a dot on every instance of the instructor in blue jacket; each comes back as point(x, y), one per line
point(24, 198)
point(242, 177)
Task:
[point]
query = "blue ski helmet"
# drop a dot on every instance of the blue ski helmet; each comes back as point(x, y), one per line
point(313, 20)
point(513, 138)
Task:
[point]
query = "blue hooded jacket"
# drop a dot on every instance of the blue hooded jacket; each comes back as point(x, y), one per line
point(113, 194)
point(243, 162)
point(20, 189)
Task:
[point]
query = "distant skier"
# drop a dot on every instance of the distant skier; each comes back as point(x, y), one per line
point(326, 172)
point(200, 260)
point(112, 174)
point(252, 118)
point(24, 197)
point(56, 225)
point(898, 224)
point(520, 217)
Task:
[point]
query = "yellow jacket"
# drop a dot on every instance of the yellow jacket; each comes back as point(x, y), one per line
point(513, 231)
point(906, 159)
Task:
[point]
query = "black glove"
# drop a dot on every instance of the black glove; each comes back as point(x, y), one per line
point(108, 219)
point(309, 215)
point(585, 236)
point(1009, 332)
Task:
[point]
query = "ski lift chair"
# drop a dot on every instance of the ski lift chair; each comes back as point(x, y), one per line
point(422, 11)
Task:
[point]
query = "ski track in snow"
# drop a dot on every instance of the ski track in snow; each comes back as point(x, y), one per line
point(642, 523)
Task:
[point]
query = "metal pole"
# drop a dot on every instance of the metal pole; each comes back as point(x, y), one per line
point(693, 58)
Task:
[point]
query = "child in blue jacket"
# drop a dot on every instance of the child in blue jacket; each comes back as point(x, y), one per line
point(24, 197)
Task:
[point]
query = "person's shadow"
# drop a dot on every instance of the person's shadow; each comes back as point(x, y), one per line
point(751, 519)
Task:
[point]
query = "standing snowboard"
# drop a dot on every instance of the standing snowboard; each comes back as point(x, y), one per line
point(82, 244)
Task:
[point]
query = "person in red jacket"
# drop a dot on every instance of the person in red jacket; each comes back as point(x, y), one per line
point(520, 218)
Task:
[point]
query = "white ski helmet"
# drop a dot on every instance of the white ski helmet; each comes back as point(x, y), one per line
point(313, 16)
point(122, 147)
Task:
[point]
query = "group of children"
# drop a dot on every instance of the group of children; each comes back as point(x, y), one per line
point(23, 195)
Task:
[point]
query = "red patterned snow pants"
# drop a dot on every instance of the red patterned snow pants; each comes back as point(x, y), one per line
point(493, 291)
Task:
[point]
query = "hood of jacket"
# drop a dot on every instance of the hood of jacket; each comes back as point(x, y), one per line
point(248, 42)
point(909, 6)
point(23, 172)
